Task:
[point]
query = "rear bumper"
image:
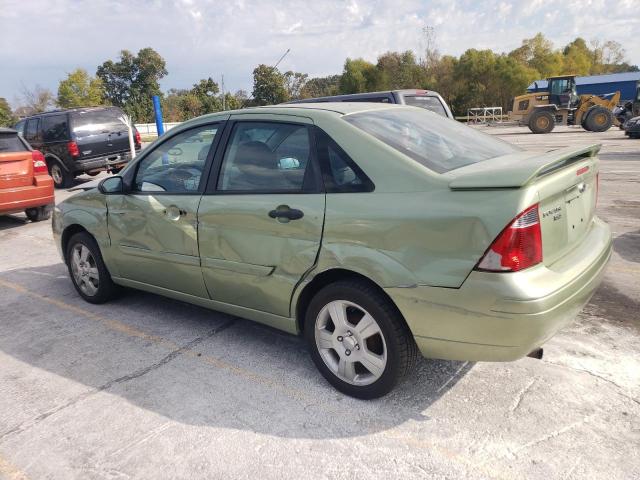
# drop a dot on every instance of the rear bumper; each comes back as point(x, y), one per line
point(20, 198)
point(101, 163)
point(504, 316)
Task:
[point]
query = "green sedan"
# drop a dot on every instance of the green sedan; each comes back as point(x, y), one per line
point(379, 232)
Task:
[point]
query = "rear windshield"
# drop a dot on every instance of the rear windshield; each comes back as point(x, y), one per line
point(430, 103)
point(439, 144)
point(9, 142)
point(97, 121)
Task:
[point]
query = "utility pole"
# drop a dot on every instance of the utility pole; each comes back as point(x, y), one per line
point(224, 105)
point(281, 58)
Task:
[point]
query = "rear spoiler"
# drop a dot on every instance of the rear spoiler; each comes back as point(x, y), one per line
point(518, 169)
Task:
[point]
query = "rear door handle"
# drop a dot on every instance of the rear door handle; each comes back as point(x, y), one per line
point(285, 213)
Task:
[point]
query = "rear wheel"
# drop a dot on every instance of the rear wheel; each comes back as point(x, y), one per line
point(358, 339)
point(62, 178)
point(541, 121)
point(37, 214)
point(599, 119)
point(87, 269)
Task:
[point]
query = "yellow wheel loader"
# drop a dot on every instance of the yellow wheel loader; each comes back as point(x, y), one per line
point(561, 105)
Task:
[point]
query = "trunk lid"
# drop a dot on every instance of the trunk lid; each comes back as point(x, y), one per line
point(564, 180)
point(16, 169)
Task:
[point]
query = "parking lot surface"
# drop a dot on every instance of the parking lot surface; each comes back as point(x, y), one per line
point(147, 387)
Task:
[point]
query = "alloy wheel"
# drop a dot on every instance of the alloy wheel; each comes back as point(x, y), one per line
point(56, 174)
point(84, 270)
point(350, 342)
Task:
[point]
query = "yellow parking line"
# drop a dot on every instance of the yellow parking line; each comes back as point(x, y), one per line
point(10, 471)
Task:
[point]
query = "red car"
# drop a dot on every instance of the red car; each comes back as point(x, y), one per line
point(25, 183)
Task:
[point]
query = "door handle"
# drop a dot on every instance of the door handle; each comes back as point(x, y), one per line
point(284, 213)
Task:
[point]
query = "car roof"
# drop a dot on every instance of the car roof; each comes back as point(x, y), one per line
point(72, 110)
point(340, 108)
point(7, 130)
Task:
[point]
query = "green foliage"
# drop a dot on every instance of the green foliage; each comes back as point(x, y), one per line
point(358, 76)
point(79, 89)
point(396, 70)
point(294, 82)
point(269, 86)
point(7, 118)
point(321, 87)
point(131, 82)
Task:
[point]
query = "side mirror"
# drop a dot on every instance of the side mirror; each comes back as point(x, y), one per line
point(111, 185)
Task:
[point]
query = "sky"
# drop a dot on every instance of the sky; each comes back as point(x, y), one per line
point(43, 40)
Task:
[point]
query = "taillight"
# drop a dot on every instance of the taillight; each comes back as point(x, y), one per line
point(518, 246)
point(137, 135)
point(39, 163)
point(72, 147)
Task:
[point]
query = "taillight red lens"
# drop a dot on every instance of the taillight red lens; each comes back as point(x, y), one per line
point(518, 246)
point(137, 135)
point(72, 147)
point(39, 163)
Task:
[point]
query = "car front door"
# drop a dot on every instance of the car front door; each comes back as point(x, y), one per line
point(153, 227)
point(260, 221)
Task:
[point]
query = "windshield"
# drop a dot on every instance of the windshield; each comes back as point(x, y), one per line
point(430, 103)
point(439, 144)
point(97, 121)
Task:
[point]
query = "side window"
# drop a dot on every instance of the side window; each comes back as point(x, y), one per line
point(340, 173)
point(55, 128)
point(177, 165)
point(20, 127)
point(31, 132)
point(266, 157)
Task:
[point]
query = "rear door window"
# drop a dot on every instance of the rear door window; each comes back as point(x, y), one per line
point(55, 128)
point(432, 104)
point(339, 171)
point(266, 157)
point(31, 133)
point(9, 142)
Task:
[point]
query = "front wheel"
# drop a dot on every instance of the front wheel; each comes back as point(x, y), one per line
point(87, 269)
point(541, 121)
point(358, 339)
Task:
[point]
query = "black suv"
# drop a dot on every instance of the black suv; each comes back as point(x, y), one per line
point(79, 140)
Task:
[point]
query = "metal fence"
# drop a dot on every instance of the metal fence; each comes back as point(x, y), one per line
point(150, 128)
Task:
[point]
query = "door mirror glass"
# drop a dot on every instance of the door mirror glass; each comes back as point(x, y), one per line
point(288, 163)
point(111, 185)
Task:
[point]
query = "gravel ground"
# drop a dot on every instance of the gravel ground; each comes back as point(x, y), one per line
point(146, 387)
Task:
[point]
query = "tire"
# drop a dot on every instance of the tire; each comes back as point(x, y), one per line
point(62, 178)
point(90, 276)
point(360, 362)
point(541, 121)
point(599, 119)
point(117, 170)
point(38, 214)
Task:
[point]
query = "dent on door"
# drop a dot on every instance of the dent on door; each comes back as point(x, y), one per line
point(155, 238)
point(253, 258)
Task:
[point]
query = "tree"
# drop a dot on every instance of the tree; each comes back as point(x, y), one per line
point(79, 89)
point(321, 87)
point(133, 80)
point(538, 53)
point(358, 76)
point(397, 70)
point(206, 91)
point(36, 99)
point(269, 85)
point(294, 82)
point(7, 118)
point(578, 59)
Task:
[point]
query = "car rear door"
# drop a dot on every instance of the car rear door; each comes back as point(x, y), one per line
point(260, 220)
point(153, 227)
